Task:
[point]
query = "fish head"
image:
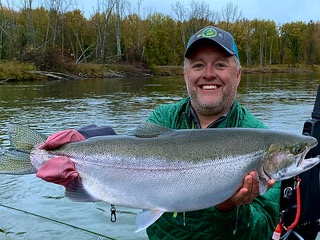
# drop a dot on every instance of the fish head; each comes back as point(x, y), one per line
point(283, 161)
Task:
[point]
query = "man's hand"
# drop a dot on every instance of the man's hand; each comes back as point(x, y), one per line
point(245, 195)
point(58, 139)
point(59, 170)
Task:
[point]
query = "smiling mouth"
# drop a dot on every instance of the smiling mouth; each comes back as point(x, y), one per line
point(209, 87)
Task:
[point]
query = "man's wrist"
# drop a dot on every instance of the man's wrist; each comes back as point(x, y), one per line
point(225, 207)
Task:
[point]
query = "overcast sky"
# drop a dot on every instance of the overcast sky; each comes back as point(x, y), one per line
point(280, 11)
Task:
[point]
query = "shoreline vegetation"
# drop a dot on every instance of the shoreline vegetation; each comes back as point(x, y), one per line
point(12, 71)
point(53, 40)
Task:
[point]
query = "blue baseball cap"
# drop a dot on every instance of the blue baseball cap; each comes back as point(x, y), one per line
point(217, 35)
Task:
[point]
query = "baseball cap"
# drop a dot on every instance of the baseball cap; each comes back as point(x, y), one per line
point(217, 35)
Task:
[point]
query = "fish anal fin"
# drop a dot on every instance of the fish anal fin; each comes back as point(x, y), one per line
point(76, 191)
point(147, 217)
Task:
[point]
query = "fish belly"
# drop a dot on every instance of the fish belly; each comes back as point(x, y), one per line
point(177, 188)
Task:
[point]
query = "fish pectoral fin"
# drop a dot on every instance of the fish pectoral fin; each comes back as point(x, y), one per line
point(76, 191)
point(145, 218)
point(263, 187)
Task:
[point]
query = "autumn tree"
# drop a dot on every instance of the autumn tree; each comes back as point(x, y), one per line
point(55, 33)
point(312, 43)
point(79, 35)
point(8, 33)
point(230, 13)
point(293, 34)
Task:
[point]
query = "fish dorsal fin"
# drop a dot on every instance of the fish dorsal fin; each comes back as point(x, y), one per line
point(76, 191)
point(150, 130)
point(24, 138)
point(147, 217)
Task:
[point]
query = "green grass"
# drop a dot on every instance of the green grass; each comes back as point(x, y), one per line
point(14, 70)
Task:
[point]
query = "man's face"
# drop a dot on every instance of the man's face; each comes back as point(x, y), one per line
point(212, 77)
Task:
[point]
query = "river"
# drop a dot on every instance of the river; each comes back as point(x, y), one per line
point(33, 209)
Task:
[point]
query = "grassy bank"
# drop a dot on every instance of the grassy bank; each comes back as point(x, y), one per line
point(16, 71)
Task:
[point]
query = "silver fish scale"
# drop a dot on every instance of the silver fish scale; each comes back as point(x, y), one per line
point(132, 187)
point(177, 171)
point(175, 147)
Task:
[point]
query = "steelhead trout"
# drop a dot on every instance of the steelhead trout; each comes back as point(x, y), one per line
point(162, 170)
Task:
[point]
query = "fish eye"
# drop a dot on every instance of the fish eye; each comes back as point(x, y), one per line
point(297, 149)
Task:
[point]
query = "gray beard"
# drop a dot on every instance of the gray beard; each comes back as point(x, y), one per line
point(212, 109)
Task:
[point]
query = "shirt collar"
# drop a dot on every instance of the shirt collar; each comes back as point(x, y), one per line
point(196, 122)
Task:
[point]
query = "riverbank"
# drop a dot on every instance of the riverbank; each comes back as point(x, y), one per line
point(176, 70)
point(15, 71)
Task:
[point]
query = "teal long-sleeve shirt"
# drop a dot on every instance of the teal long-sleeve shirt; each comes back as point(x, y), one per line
point(256, 220)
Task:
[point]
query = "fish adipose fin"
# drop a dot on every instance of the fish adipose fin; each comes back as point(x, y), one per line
point(76, 191)
point(150, 130)
point(147, 217)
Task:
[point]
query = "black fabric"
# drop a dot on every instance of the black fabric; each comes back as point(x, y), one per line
point(93, 130)
point(308, 225)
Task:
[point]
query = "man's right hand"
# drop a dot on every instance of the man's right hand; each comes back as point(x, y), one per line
point(246, 194)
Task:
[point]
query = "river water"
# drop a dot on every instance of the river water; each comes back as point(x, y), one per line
point(33, 209)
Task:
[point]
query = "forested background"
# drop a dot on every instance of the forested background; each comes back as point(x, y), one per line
point(123, 31)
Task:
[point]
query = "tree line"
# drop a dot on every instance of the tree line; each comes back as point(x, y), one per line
point(120, 31)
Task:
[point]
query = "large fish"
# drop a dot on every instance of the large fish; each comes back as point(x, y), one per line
point(162, 170)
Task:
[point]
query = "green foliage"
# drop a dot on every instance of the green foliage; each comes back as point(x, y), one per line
point(162, 47)
point(294, 34)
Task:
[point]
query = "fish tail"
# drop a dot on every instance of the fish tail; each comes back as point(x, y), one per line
point(17, 159)
point(24, 138)
point(16, 162)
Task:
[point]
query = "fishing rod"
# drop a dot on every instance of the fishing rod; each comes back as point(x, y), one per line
point(58, 222)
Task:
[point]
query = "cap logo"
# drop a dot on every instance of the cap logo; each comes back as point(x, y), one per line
point(208, 33)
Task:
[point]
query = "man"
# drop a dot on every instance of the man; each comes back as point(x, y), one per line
point(212, 74)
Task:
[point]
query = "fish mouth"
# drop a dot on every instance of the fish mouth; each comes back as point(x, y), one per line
point(300, 158)
point(265, 174)
point(303, 155)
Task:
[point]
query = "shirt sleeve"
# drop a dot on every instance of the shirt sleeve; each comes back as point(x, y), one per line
point(157, 117)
